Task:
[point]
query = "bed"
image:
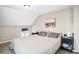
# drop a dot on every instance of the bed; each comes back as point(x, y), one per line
point(35, 44)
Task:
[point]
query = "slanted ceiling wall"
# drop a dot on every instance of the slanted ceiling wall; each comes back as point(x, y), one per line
point(12, 16)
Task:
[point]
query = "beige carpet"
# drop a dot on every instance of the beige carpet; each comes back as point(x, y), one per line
point(4, 48)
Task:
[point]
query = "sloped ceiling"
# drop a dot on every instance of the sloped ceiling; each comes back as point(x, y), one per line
point(19, 15)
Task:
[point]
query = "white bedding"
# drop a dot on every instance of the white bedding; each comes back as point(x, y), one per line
point(36, 45)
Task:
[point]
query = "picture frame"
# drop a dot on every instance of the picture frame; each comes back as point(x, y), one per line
point(50, 22)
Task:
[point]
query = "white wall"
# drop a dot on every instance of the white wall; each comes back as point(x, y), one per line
point(76, 28)
point(63, 21)
point(11, 16)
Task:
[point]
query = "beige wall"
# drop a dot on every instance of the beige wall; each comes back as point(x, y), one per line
point(9, 32)
point(63, 21)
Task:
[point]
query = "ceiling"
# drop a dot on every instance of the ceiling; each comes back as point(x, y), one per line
point(38, 9)
point(19, 15)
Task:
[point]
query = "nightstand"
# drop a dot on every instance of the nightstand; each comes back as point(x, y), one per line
point(67, 43)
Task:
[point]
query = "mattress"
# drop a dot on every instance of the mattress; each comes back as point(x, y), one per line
point(36, 45)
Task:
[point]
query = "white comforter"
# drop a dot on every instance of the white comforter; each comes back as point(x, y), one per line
point(35, 45)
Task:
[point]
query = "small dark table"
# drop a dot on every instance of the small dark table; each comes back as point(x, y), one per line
point(67, 43)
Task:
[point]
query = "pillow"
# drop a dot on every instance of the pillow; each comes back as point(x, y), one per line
point(53, 35)
point(42, 33)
